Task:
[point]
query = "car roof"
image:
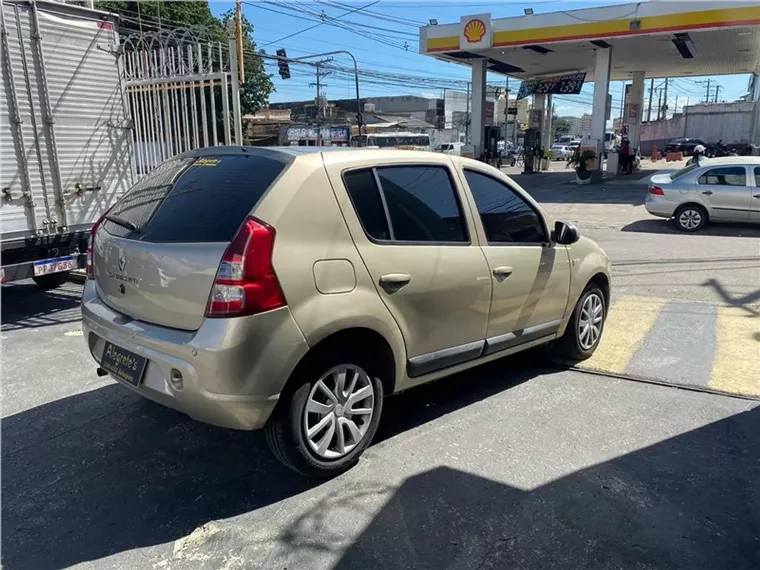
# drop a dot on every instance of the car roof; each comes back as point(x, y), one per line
point(730, 160)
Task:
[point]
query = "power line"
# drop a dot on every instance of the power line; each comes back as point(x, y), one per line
point(317, 25)
point(375, 37)
point(378, 15)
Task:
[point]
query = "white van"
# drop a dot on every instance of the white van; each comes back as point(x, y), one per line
point(454, 148)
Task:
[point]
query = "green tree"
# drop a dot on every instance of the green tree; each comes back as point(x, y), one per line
point(561, 126)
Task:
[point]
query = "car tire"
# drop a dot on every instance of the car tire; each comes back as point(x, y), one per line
point(574, 345)
point(51, 280)
point(286, 431)
point(690, 218)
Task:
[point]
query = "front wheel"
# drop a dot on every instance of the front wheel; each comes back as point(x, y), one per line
point(584, 331)
point(322, 428)
point(51, 280)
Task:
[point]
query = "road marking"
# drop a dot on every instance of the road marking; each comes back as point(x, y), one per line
point(629, 320)
point(736, 365)
point(680, 346)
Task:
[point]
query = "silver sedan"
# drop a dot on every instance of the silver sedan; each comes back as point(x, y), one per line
point(717, 190)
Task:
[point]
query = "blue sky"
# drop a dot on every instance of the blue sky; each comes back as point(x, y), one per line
point(387, 42)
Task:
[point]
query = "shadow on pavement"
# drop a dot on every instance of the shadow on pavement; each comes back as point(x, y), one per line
point(106, 471)
point(692, 501)
point(662, 226)
point(743, 302)
point(26, 306)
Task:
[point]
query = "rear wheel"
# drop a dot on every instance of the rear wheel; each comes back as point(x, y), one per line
point(51, 280)
point(584, 331)
point(690, 218)
point(323, 426)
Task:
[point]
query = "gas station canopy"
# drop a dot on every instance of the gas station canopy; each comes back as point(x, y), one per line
point(660, 39)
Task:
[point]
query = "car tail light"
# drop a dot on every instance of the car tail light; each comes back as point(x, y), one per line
point(246, 283)
point(91, 243)
point(656, 190)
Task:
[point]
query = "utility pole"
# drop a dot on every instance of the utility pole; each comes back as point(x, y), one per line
point(707, 96)
point(320, 110)
point(665, 100)
point(467, 118)
point(239, 24)
point(717, 90)
point(649, 109)
point(506, 110)
point(659, 104)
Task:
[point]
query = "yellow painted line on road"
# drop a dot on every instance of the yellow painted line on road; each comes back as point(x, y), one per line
point(628, 322)
point(736, 365)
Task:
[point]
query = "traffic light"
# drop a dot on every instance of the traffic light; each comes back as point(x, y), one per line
point(282, 63)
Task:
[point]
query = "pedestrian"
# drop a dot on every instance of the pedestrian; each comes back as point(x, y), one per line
point(699, 150)
point(625, 156)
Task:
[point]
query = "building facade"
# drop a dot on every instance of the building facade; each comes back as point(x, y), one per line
point(586, 126)
point(575, 126)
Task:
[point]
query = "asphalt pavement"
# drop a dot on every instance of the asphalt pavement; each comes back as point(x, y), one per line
point(685, 307)
point(512, 465)
point(516, 464)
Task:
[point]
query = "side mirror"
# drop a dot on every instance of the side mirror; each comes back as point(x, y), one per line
point(565, 234)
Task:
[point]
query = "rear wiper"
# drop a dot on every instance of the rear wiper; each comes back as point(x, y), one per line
point(121, 222)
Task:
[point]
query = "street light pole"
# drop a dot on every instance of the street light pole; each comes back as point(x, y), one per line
point(359, 117)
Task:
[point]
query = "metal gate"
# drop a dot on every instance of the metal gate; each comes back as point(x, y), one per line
point(180, 85)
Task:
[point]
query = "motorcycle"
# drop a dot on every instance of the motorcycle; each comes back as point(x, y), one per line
point(718, 151)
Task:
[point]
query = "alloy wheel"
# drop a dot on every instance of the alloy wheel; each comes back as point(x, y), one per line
point(590, 322)
point(339, 411)
point(690, 219)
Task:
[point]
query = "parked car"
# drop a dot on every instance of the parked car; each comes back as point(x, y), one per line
point(717, 190)
point(508, 157)
point(684, 145)
point(295, 299)
point(561, 151)
point(454, 148)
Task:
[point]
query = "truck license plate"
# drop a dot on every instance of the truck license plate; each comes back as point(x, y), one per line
point(55, 265)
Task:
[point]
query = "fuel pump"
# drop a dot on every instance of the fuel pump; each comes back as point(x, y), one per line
point(531, 149)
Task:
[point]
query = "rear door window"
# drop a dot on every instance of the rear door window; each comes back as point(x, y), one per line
point(411, 204)
point(198, 199)
point(422, 204)
point(725, 176)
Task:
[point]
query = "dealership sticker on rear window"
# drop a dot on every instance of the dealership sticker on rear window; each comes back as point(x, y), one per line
point(207, 162)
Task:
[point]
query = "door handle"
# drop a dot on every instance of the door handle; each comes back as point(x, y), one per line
point(707, 193)
point(392, 282)
point(502, 272)
point(756, 196)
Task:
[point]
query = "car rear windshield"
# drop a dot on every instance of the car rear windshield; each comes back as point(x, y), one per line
point(683, 171)
point(197, 199)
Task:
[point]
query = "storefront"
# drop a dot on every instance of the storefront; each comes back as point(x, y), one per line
point(317, 136)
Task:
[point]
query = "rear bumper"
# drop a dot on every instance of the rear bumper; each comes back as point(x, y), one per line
point(232, 369)
point(660, 207)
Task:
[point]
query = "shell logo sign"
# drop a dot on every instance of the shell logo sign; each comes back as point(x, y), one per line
point(474, 31)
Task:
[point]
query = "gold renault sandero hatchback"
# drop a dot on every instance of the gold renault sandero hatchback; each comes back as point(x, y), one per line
point(292, 289)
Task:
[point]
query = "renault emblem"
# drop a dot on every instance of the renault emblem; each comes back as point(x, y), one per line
point(122, 262)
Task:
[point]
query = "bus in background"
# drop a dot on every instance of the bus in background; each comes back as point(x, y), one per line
point(400, 140)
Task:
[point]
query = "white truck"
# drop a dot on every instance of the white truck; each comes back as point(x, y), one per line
point(65, 142)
